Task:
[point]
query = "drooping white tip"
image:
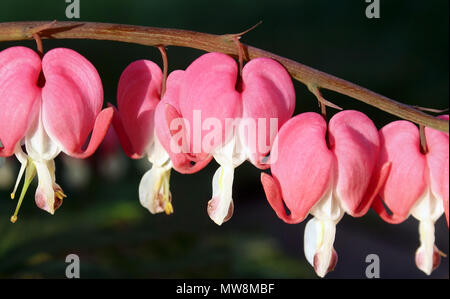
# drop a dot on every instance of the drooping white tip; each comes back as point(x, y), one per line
point(220, 208)
point(318, 245)
point(154, 190)
point(428, 256)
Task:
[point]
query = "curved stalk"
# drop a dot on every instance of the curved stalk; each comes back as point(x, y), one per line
point(151, 36)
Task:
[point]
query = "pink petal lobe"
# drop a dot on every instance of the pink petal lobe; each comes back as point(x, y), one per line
point(379, 208)
point(166, 111)
point(19, 73)
point(180, 156)
point(71, 98)
point(438, 163)
point(268, 93)
point(273, 195)
point(304, 163)
point(208, 92)
point(376, 183)
point(400, 145)
point(354, 140)
point(122, 135)
point(101, 126)
point(173, 83)
point(138, 93)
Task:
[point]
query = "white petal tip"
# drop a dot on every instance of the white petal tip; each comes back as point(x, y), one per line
point(43, 203)
point(154, 191)
point(214, 211)
point(323, 267)
point(427, 263)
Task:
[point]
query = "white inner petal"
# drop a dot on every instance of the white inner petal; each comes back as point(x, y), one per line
point(38, 144)
point(313, 232)
point(154, 189)
point(232, 153)
point(156, 153)
point(428, 207)
point(427, 210)
point(318, 244)
point(328, 207)
point(220, 204)
point(425, 253)
point(229, 156)
point(320, 231)
point(45, 194)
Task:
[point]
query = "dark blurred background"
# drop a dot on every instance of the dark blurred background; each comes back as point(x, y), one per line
point(402, 55)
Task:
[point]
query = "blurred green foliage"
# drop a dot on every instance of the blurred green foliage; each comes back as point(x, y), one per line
point(403, 55)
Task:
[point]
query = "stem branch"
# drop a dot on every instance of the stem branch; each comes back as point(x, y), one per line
point(150, 36)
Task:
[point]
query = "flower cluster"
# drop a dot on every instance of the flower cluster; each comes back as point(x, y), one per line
point(49, 105)
point(213, 109)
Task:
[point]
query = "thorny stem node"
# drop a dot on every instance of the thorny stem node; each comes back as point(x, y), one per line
point(40, 28)
point(241, 34)
point(323, 103)
point(431, 109)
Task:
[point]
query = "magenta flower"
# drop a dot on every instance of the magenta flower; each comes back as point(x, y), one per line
point(417, 184)
point(326, 173)
point(50, 106)
point(141, 129)
point(230, 118)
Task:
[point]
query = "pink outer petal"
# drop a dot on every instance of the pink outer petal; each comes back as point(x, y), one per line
point(378, 207)
point(268, 93)
point(168, 105)
point(304, 165)
point(400, 145)
point(122, 135)
point(164, 113)
point(438, 163)
point(19, 73)
point(209, 87)
point(71, 100)
point(273, 195)
point(182, 161)
point(138, 93)
point(101, 126)
point(354, 140)
point(376, 183)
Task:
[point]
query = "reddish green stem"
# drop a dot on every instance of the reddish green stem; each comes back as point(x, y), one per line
point(214, 43)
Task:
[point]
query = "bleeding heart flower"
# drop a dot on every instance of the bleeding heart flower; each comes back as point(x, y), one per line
point(228, 117)
point(417, 184)
point(51, 105)
point(325, 173)
point(137, 122)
